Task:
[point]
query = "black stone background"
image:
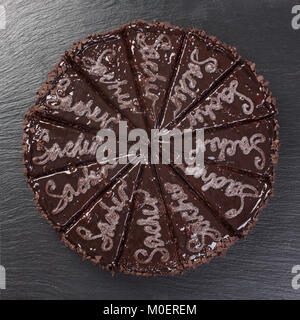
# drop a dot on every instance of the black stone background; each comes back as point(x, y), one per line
point(37, 264)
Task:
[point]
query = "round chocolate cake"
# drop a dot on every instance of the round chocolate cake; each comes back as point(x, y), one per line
point(144, 218)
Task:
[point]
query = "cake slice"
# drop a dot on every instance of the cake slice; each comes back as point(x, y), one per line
point(61, 196)
point(98, 234)
point(150, 248)
point(236, 197)
point(153, 50)
point(104, 62)
point(49, 146)
point(199, 231)
point(67, 97)
point(204, 62)
point(240, 97)
point(250, 147)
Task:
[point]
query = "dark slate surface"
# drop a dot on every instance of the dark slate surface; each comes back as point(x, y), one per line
point(37, 264)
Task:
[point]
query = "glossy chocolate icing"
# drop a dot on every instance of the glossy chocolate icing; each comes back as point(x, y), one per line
point(249, 147)
point(149, 247)
point(196, 225)
point(240, 97)
point(62, 195)
point(151, 219)
point(202, 63)
point(99, 232)
point(70, 99)
point(236, 197)
point(51, 146)
point(104, 61)
point(153, 50)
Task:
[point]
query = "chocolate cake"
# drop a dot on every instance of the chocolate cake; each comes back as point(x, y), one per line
point(143, 218)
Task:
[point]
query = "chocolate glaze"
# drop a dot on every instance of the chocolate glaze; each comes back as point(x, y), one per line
point(202, 63)
point(146, 219)
point(198, 231)
point(62, 195)
point(103, 60)
point(51, 146)
point(66, 97)
point(249, 146)
point(153, 50)
point(236, 197)
point(100, 229)
point(240, 97)
point(149, 247)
